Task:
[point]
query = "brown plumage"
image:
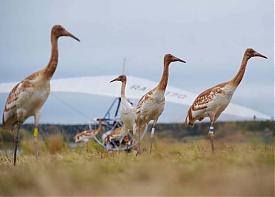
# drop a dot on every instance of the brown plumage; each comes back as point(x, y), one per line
point(151, 105)
point(213, 101)
point(117, 133)
point(115, 138)
point(89, 134)
point(28, 96)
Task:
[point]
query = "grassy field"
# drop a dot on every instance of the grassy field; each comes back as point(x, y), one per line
point(174, 168)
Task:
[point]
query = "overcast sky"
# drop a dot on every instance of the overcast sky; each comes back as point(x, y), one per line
point(210, 35)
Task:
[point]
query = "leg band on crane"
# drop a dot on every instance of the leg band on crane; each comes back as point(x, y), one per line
point(211, 130)
point(35, 132)
point(153, 132)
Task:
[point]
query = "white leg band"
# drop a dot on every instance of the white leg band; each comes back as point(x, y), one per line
point(152, 132)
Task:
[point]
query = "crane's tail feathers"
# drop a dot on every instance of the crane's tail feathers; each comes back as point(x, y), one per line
point(189, 120)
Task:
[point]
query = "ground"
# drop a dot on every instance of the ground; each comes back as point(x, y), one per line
point(174, 168)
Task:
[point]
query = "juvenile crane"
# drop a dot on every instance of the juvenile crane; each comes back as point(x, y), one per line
point(127, 112)
point(86, 135)
point(29, 95)
point(117, 134)
point(151, 105)
point(213, 101)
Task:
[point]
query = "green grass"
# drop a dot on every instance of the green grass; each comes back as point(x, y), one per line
point(173, 168)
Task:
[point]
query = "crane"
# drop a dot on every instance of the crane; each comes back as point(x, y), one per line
point(213, 101)
point(29, 95)
point(151, 105)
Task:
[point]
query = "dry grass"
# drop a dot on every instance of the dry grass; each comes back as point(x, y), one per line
point(172, 169)
point(55, 143)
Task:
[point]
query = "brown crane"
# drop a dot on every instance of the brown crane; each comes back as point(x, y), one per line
point(151, 105)
point(29, 95)
point(213, 101)
point(84, 136)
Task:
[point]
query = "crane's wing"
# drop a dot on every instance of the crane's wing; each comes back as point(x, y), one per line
point(116, 133)
point(144, 101)
point(207, 96)
point(90, 133)
point(145, 97)
point(17, 96)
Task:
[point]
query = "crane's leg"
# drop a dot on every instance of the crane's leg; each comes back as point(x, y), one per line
point(211, 137)
point(127, 145)
point(130, 142)
point(152, 135)
point(138, 145)
point(16, 143)
point(134, 129)
point(35, 133)
point(125, 139)
point(211, 134)
point(142, 127)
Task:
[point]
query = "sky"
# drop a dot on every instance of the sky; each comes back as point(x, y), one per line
point(210, 35)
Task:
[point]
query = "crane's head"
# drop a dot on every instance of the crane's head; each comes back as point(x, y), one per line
point(168, 58)
point(121, 78)
point(252, 53)
point(59, 31)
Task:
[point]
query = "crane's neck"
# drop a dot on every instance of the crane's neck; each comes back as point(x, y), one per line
point(123, 87)
point(51, 67)
point(164, 78)
point(239, 76)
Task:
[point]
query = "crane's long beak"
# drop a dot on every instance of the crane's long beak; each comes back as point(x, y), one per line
point(116, 79)
point(260, 55)
point(179, 60)
point(71, 35)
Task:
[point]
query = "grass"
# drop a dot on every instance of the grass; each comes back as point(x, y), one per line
point(173, 168)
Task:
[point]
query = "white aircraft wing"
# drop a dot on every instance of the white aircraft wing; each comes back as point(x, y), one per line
point(135, 89)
